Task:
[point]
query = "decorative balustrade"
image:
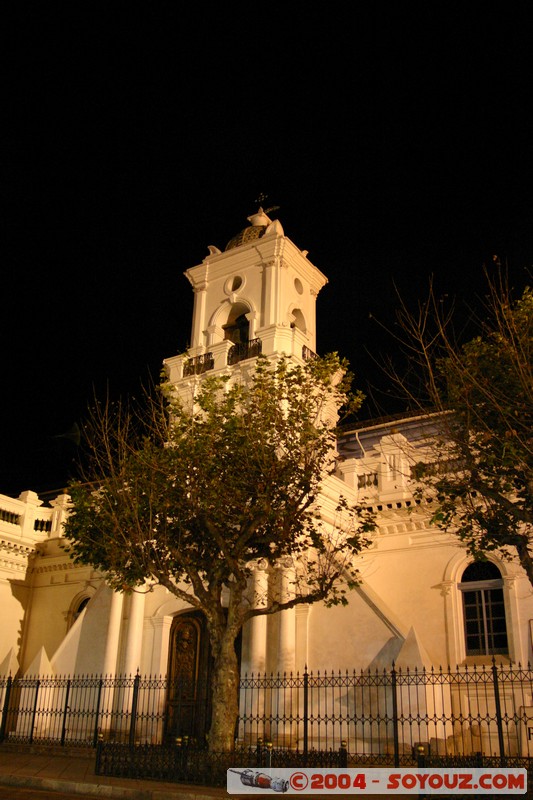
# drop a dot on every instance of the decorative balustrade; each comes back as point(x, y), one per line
point(426, 469)
point(9, 516)
point(42, 525)
point(367, 480)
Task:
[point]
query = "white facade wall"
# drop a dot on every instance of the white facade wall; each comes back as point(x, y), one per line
point(24, 523)
point(408, 608)
point(409, 578)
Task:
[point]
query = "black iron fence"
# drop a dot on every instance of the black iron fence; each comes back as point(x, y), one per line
point(182, 761)
point(375, 717)
point(198, 364)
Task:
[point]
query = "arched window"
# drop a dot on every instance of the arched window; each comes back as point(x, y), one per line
point(76, 608)
point(81, 606)
point(484, 610)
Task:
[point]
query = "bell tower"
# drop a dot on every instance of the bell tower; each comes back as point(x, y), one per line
point(257, 296)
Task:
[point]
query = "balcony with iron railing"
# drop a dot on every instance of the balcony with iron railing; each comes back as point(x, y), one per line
point(226, 354)
point(244, 350)
point(308, 354)
point(198, 365)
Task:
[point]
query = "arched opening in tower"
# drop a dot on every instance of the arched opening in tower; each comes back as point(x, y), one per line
point(237, 328)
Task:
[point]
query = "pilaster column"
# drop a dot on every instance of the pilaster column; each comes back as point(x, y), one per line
point(270, 292)
point(160, 646)
point(132, 653)
point(109, 666)
point(258, 625)
point(32, 502)
point(284, 699)
point(455, 636)
point(287, 627)
point(252, 703)
point(159, 666)
point(198, 314)
point(518, 649)
point(61, 506)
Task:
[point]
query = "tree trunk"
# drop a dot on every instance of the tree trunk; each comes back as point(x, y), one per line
point(225, 698)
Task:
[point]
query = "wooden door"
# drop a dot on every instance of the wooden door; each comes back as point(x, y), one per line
point(188, 696)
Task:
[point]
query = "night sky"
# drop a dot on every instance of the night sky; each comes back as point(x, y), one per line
point(395, 139)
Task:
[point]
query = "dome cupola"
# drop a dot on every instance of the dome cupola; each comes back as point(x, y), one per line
point(259, 222)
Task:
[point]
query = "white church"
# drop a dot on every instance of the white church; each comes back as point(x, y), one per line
point(422, 604)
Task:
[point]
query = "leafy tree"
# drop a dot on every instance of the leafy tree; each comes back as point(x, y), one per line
point(192, 498)
point(483, 391)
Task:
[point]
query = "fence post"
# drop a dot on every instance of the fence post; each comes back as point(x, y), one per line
point(134, 704)
point(97, 711)
point(343, 754)
point(306, 710)
point(395, 717)
point(34, 712)
point(98, 763)
point(269, 754)
point(498, 709)
point(421, 762)
point(421, 756)
point(5, 709)
point(65, 712)
point(178, 758)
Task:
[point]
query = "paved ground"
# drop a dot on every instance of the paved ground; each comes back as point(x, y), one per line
point(23, 793)
point(30, 772)
point(35, 774)
point(73, 775)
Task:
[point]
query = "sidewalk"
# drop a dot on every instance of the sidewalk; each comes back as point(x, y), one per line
point(73, 773)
